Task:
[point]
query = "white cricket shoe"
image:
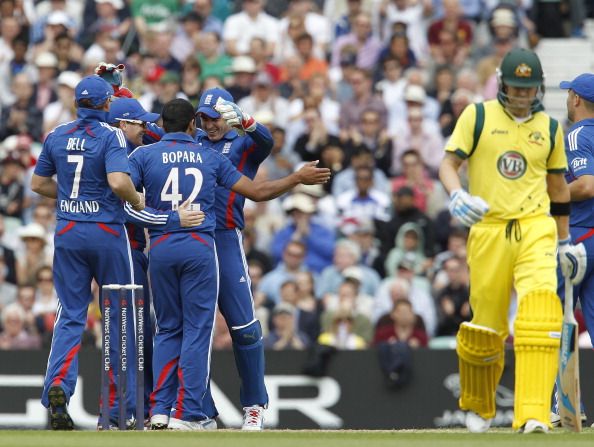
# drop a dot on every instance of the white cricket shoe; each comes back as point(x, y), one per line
point(476, 423)
point(159, 422)
point(180, 424)
point(535, 426)
point(253, 418)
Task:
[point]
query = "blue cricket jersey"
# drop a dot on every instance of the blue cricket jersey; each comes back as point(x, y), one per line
point(177, 168)
point(579, 147)
point(246, 153)
point(82, 153)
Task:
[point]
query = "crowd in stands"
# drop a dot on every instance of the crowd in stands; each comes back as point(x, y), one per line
point(371, 88)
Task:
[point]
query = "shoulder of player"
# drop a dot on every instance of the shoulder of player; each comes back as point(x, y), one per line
point(57, 131)
point(580, 135)
point(139, 149)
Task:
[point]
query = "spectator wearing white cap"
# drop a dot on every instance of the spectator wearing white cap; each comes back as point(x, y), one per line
point(34, 254)
point(415, 95)
point(318, 240)
point(46, 63)
point(62, 110)
point(244, 73)
point(66, 13)
point(239, 29)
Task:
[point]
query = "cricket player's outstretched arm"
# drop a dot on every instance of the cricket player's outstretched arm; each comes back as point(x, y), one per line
point(169, 220)
point(558, 192)
point(266, 190)
point(45, 186)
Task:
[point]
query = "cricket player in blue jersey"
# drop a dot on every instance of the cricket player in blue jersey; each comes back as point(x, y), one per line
point(183, 262)
point(129, 116)
point(89, 158)
point(579, 147)
point(246, 144)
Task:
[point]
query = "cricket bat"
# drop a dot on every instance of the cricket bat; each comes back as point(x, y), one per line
point(569, 367)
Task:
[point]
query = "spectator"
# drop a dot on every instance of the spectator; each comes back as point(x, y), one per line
point(7, 254)
point(315, 136)
point(68, 53)
point(363, 99)
point(244, 72)
point(213, 61)
point(263, 64)
point(364, 200)
point(409, 245)
point(345, 180)
point(453, 45)
point(109, 20)
point(62, 110)
point(391, 83)
point(8, 291)
point(26, 300)
point(23, 116)
point(343, 25)
point(264, 98)
point(460, 100)
point(14, 336)
point(361, 38)
point(12, 190)
point(291, 86)
point(399, 49)
point(187, 36)
point(416, 134)
point(210, 23)
point(314, 24)
point(311, 64)
point(281, 160)
point(362, 232)
point(349, 296)
point(407, 16)
point(191, 83)
point(318, 240)
point(34, 255)
point(151, 15)
point(341, 334)
point(284, 335)
point(239, 29)
point(453, 306)
point(346, 261)
point(406, 327)
point(308, 306)
point(292, 263)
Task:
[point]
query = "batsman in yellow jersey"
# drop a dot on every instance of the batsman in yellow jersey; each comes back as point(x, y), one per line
point(517, 207)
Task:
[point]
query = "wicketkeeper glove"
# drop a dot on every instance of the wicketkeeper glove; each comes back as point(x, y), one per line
point(111, 73)
point(235, 117)
point(573, 260)
point(466, 208)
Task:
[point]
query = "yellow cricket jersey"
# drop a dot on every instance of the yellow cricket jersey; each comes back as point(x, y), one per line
point(507, 160)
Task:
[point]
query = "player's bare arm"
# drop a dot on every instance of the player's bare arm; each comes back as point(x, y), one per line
point(260, 191)
point(582, 188)
point(448, 172)
point(558, 192)
point(46, 186)
point(122, 186)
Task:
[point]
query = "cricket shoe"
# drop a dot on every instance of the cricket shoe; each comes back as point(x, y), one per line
point(180, 424)
point(476, 423)
point(534, 426)
point(253, 418)
point(59, 417)
point(159, 422)
point(114, 425)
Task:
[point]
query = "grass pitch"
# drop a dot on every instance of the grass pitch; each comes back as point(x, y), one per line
point(290, 438)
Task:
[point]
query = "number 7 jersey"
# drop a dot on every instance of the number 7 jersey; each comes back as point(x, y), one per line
point(82, 153)
point(177, 169)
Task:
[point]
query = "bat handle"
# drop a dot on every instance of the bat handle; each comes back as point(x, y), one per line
point(568, 305)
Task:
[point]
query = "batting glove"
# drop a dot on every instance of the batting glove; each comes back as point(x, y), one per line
point(573, 260)
point(466, 208)
point(235, 117)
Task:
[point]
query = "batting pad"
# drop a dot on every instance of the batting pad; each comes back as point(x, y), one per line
point(480, 359)
point(537, 336)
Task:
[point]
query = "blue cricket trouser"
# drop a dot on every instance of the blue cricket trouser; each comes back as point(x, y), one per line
point(83, 251)
point(237, 306)
point(140, 263)
point(184, 278)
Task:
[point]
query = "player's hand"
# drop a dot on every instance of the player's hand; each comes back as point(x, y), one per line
point(573, 260)
point(309, 174)
point(138, 206)
point(189, 216)
point(466, 208)
point(235, 117)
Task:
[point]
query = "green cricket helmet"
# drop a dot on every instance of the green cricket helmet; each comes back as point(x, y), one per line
point(521, 68)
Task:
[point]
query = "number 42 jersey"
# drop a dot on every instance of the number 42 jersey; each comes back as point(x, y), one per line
point(177, 169)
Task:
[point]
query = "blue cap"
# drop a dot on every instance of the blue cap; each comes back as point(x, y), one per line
point(129, 109)
point(209, 99)
point(93, 88)
point(583, 86)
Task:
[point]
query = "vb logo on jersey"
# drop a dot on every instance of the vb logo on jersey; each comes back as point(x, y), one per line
point(511, 165)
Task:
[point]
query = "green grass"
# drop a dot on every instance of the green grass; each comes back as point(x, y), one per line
point(290, 438)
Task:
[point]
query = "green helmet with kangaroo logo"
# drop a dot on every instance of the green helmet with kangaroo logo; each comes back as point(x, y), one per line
point(521, 68)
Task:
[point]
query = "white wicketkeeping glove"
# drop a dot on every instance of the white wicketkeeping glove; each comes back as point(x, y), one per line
point(235, 117)
point(466, 208)
point(573, 260)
